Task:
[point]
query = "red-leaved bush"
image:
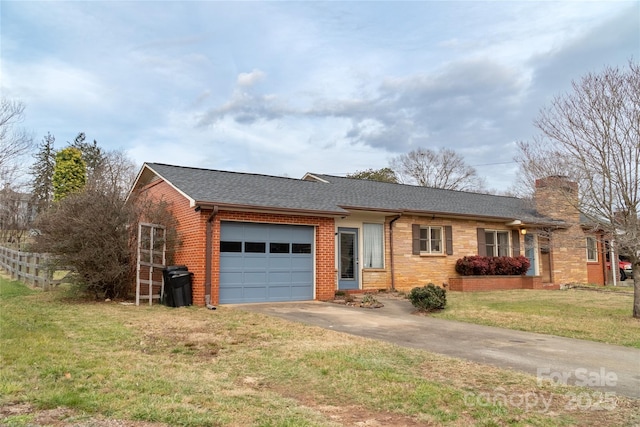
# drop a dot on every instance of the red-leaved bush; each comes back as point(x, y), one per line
point(492, 265)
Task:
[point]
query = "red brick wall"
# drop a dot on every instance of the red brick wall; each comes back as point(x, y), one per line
point(191, 232)
point(494, 283)
point(595, 270)
point(192, 227)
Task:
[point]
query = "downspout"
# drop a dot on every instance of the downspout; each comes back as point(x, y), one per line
point(615, 269)
point(393, 276)
point(207, 261)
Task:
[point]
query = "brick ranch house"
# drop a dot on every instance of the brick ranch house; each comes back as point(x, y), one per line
point(256, 238)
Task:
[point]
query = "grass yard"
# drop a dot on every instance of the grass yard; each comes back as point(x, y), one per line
point(590, 313)
point(65, 363)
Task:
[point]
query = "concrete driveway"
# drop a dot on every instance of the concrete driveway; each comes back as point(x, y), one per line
point(606, 368)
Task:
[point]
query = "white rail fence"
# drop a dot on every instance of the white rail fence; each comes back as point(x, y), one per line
point(28, 267)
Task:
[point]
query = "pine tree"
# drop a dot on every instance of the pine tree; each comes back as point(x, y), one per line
point(42, 171)
point(94, 158)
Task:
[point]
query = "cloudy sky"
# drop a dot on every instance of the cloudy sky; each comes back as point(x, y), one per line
point(283, 88)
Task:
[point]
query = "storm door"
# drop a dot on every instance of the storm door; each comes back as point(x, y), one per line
point(348, 258)
point(530, 252)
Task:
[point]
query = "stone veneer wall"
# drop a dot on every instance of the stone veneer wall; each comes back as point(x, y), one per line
point(557, 197)
point(420, 270)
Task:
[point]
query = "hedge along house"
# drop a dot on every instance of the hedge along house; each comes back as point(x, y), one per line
point(258, 238)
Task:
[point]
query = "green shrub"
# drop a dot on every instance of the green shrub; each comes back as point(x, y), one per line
point(428, 298)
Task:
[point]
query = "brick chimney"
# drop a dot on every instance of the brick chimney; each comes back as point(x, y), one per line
point(557, 197)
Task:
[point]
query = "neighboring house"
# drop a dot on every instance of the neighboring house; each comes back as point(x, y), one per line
point(16, 210)
point(253, 238)
point(599, 254)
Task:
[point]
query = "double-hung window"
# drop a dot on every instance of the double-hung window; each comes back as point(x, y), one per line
point(431, 240)
point(592, 249)
point(373, 251)
point(497, 243)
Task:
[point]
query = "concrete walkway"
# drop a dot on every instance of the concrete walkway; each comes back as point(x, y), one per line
point(606, 368)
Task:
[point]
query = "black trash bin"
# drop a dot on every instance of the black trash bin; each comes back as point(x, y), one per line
point(181, 288)
point(177, 286)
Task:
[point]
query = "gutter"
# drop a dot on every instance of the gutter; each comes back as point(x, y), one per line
point(268, 209)
point(207, 260)
point(393, 279)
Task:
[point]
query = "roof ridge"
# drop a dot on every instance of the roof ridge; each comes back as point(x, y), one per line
point(225, 171)
point(416, 186)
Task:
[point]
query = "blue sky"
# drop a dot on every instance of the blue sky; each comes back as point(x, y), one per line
point(285, 88)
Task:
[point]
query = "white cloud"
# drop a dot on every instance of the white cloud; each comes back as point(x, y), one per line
point(250, 79)
point(294, 87)
point(56, 84)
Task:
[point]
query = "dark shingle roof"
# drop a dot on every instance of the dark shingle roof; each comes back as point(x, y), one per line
point(382, 195)
point(244, 189)
point(334, 195)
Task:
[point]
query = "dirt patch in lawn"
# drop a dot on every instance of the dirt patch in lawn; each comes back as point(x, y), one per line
point(24, 414)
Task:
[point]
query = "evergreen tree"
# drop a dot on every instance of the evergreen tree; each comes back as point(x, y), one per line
point(42, 171)
point(70, 173)
point(94, 158)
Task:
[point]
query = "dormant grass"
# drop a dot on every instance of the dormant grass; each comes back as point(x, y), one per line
point(590, 313)
point(190, 366)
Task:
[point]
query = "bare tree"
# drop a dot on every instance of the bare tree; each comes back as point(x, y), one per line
point(592, 135)
point(535, 162)
point(116, 173)
point(94, 232)
point(92, 228)
point(17, 213)
point(15, 142)
point(438, 169)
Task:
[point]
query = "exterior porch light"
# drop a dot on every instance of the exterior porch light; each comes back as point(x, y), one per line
point(523, 231)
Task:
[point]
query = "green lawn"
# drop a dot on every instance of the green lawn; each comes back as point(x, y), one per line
point(195, 367)
point(596, 314)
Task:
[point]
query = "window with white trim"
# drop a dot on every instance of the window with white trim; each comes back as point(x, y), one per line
point(373, 248)
point(592, 249)
point(497, 243)
point(431, 240)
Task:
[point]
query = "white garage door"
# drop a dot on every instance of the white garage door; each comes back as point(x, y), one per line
point(265, 262)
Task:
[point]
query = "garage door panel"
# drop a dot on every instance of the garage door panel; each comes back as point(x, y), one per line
point(255, 262)
point(232, 295)
point(232, 278)
point(299, 277)
point(301, 234)
point(279, 277)
point(282, 263)
point(255, 278)
point(265, 262)
point(301, 293)
point(255, 293)
point(232, 231)
point(302, 264)
point(281, 293)
point(231, 263)
point(282, 234)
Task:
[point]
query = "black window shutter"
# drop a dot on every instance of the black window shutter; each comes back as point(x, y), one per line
point(482, 243)
point(448, 234)
point(515, 237)
point(415, 231)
